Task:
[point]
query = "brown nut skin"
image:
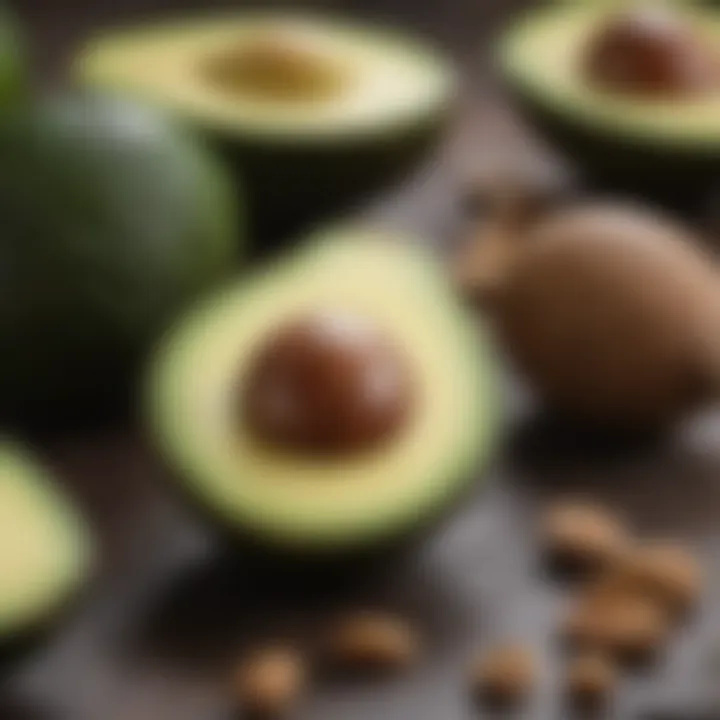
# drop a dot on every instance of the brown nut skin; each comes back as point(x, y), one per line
point(505, 676)
point(327, 383)
point(650, 50)
point(590, 681)
point(666, 572)
point(591, 313)
point(372, 642)
point(628, 626)
point(270, 681)
point(582, 536)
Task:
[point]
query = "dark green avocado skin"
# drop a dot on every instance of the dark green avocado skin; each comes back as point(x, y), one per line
point(679, 178)
point(294, 186)
point(12, 66)
point(113, 221)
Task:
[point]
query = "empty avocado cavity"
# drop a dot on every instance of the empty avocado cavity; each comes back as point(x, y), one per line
point(327, 382)
point(650, 50)
point(279, 66)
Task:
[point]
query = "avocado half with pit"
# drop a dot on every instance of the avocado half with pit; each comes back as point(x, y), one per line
point(341, 399)
point(664, 143)
point(317, 113)
point(47, 552)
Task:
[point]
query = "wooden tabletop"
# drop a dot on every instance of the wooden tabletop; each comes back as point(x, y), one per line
point(157, 634)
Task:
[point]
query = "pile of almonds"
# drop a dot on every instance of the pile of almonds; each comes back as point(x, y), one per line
point(272, 679)
point(631, 598)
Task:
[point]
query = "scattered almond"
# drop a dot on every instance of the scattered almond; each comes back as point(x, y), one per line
point(630, 626)
point(667, 572)
point(504, 676)
point(373, 641)
point(590, 681)
point(582, 535)
point(269, 682)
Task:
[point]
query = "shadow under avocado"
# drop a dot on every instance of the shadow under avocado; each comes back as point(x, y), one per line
point(218, 607)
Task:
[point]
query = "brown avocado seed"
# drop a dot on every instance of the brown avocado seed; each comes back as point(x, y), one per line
point(329, 382)
point(611, 311)
point(650, 50)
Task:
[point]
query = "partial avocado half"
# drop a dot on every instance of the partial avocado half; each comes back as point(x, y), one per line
point(317, 112)
point(630, 142)
point(320, 504)
point(47, 552)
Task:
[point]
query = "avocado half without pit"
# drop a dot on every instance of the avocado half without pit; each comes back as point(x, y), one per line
point(47, 555)
point(341, 399)
point(631, 92)
point(316, 113)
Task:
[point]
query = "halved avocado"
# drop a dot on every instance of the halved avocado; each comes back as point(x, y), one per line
point(315, 501)
point(47, 551)
point(657, 144)
point(317, 112)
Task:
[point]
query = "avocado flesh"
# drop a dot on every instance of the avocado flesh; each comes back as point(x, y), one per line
point(395, 81)
point(300, 161)
point(321, 503)
point(47, 551)
point(543, 57)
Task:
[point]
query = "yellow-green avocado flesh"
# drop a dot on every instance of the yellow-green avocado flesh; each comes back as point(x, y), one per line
point(47, 550)
point(392, 82)
point(329, 504)
point(542, 57)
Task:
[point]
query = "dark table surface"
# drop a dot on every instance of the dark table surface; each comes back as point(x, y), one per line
point(158, 633)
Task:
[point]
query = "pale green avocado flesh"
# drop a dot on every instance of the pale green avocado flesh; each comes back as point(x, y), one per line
point(322, 503)
point(542, 57)
point(46, 552)
point(385, 82)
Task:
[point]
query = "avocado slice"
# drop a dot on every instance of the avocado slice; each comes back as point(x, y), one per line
point(315, 502)
point(114, 221)
point(48, 551)
point(317, 112)
point(647, 143)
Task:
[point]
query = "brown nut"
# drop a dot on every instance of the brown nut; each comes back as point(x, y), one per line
point(590, 681)
point(582, 535)
point(667, 572)
point(630, 626)
point(269, 681)
point(504, 676)
point(373, 642)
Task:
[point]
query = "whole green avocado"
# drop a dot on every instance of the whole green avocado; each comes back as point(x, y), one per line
point(113, 220)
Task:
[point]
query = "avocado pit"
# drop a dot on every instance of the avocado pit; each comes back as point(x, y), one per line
point(650, 50)
point(278, 67)
point(327, 383)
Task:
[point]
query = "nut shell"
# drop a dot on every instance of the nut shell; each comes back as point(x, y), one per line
point(269, 682)
point(370, 641)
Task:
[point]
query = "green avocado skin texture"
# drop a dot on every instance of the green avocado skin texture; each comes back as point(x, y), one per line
point(113, 221)
point(609, 160)
point(12, 65)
